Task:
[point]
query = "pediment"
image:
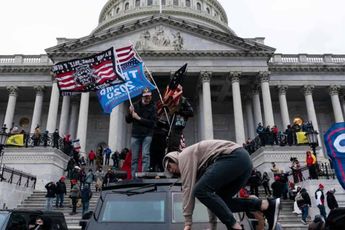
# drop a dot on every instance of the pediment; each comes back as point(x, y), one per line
point(161, 34)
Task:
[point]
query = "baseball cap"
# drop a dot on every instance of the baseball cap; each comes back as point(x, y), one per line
point(146, 92)
point(321, 186)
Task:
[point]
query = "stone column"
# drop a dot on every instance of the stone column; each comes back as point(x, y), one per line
point(11, 106)
point(53, 108)
point(36, 116)
point(82, 121)
point(284, 111)
point(308, 94)
point(237, 103)
point(201, 117)
point(73, 120)
point(266, 98)
point(207, 105)
point(64, 115)
point(257, 106)
point(250, 119)
point(334, 93)
point(116, 128)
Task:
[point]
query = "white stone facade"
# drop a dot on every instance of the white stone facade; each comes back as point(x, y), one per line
point(233, 83)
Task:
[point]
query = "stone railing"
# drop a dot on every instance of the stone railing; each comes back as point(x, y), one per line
point(25, 60)
point(307, 59)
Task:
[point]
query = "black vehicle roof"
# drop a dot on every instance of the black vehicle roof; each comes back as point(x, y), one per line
point(142, 183)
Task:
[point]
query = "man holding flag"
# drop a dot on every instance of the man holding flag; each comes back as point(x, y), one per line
point(143, 116)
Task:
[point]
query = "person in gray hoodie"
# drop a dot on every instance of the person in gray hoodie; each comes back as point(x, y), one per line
point(214, 171)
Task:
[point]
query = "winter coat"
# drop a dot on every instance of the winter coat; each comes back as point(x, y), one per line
point(74, 191)
point(51, 189)
point(331, 201)
point(302, 198)
point(90, 177)
point(86, 194)
point(60, 187)
point(144, 126)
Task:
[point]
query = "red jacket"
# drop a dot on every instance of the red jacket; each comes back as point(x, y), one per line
point(92, 155)
point(311, 159)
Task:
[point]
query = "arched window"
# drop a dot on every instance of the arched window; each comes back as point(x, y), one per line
point(149, 2)
point(127, 6)
point(198, 6)
point(117, 10)
point(188, 3)
point(137, 2)
point(175, 2)
point(208, 10)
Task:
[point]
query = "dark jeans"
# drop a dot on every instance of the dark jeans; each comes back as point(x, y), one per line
point(322, 211)
point(59, 199)
point(221, 181)
point(304, 210)
point(74, 204)
point(85, 207)
point(267, 188)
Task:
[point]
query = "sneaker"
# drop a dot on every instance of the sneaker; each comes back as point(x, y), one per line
point(304, 222)
point(272, 212)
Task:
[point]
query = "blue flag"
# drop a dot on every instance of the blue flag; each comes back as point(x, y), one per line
point(335, 144)
point(135, 81)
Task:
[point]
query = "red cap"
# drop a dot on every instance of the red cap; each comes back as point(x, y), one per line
point(321, 186)
point(276, 178)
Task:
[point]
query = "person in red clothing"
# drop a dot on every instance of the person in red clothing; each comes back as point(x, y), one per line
point(275, 134)
point(312, 165)
point(92, 156)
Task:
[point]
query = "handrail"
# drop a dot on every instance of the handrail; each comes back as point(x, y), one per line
point(307, 58)
point(11, 175)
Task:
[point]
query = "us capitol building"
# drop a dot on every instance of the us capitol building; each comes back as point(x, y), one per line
point(233, 83)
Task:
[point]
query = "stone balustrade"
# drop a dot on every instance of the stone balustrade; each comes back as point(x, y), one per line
point(307, 58)
point(20, 59)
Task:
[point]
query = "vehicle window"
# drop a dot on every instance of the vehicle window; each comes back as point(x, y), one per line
point(148, 207)
point(200, 213)
point(3, 217)
point(17, 222)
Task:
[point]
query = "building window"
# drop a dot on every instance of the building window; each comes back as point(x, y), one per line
point(163, 2)
point(127, 6)
point(117, 10)
point(188, 3)
point(175, 2)
point(208, 10)
point(137, 2)
point(198, 6)
point(216, 14)
point(149, 2)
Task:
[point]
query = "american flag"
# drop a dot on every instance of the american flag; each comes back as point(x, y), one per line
point(173, 93)
point(125, 54)
point(87, 74)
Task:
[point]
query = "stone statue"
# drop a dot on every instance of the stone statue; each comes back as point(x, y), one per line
point(178, 41)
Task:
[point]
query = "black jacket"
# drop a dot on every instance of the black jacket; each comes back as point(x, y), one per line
point(305, 200)
point(143, 127)
point(60, 187)
point(331, 201)
point(51, 189)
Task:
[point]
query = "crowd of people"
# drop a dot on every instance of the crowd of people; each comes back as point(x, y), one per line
point(285, 188)
point(273, 136)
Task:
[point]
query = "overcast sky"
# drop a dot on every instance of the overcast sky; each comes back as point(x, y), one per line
point(290, 26)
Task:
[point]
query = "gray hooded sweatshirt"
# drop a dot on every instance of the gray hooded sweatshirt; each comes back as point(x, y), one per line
point(190, 161)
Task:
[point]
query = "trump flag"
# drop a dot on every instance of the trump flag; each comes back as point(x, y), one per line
point(335, 144)
point(87, 74)
point(135, 83)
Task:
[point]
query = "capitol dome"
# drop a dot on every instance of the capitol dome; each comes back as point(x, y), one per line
point(203, 12)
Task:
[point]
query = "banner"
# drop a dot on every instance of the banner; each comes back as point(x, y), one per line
point(135, 81)
point(15, 140)
point(335, 143)
point(87, 74)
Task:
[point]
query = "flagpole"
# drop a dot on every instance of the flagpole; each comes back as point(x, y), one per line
point(117, 64)
point(154, 82)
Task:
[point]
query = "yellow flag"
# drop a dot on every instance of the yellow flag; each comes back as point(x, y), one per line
point(16, 140)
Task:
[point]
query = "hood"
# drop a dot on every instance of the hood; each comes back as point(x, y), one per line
point(172, 156)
